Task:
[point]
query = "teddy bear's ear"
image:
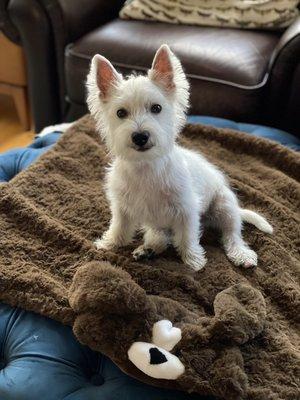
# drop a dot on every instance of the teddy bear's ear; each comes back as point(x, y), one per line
point(240, 314)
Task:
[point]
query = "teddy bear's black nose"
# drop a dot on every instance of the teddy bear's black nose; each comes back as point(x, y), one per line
point(140, 138)
point(156, 356)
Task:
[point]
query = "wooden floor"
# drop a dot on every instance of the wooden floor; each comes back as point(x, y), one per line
point(11, 133)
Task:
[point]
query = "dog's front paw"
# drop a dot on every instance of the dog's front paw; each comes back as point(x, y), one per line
point(194, 258)
point(243, 256)
point(143, 253)
point(104, 244)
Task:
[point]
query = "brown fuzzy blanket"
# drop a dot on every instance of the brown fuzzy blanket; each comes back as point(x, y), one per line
point(240, 332)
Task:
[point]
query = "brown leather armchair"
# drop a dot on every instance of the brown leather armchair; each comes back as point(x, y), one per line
point(249, 76)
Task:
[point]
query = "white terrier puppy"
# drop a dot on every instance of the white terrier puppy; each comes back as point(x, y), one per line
point(153, 183)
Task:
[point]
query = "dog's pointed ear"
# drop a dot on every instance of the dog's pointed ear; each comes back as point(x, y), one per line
point(162, 70)
point(105, 75)
point(167, 71)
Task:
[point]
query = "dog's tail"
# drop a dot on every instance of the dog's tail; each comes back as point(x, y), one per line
point(257, 220)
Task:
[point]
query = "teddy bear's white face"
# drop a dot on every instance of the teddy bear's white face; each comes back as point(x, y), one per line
point(155, 359)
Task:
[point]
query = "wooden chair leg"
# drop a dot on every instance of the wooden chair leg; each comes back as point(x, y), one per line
point(21, 102)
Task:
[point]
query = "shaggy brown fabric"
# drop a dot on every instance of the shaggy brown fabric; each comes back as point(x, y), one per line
point(240, 333)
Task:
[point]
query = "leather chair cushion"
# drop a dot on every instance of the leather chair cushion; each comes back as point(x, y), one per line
point(228, 68)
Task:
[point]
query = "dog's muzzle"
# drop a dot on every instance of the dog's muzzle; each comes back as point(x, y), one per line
point(141, 140)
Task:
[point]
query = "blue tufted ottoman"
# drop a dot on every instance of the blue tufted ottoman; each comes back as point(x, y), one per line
point(40, 359)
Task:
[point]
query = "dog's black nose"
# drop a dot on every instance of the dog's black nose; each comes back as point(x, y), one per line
point(140, 138)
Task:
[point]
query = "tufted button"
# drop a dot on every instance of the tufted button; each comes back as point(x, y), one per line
point(2, 364)
point(97, 380)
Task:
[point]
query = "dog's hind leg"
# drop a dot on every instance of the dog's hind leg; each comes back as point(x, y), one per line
point(155, 242)
point(227, 217)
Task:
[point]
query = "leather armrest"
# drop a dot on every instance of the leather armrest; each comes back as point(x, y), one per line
point(6, 25)
point(71, 19)
point(283, 104)
point(45, 27)
point(288, 43)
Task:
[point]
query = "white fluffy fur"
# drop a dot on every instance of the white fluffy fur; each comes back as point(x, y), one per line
point(167, 189)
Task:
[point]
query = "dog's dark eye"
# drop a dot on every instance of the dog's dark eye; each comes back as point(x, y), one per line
point(156, 108)
point(122, 113)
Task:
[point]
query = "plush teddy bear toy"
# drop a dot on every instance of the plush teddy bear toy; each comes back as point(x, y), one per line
point(155, 338)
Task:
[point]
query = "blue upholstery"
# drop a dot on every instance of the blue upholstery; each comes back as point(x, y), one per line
point(277, 135)
point(40, 359)
point(14, 161)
